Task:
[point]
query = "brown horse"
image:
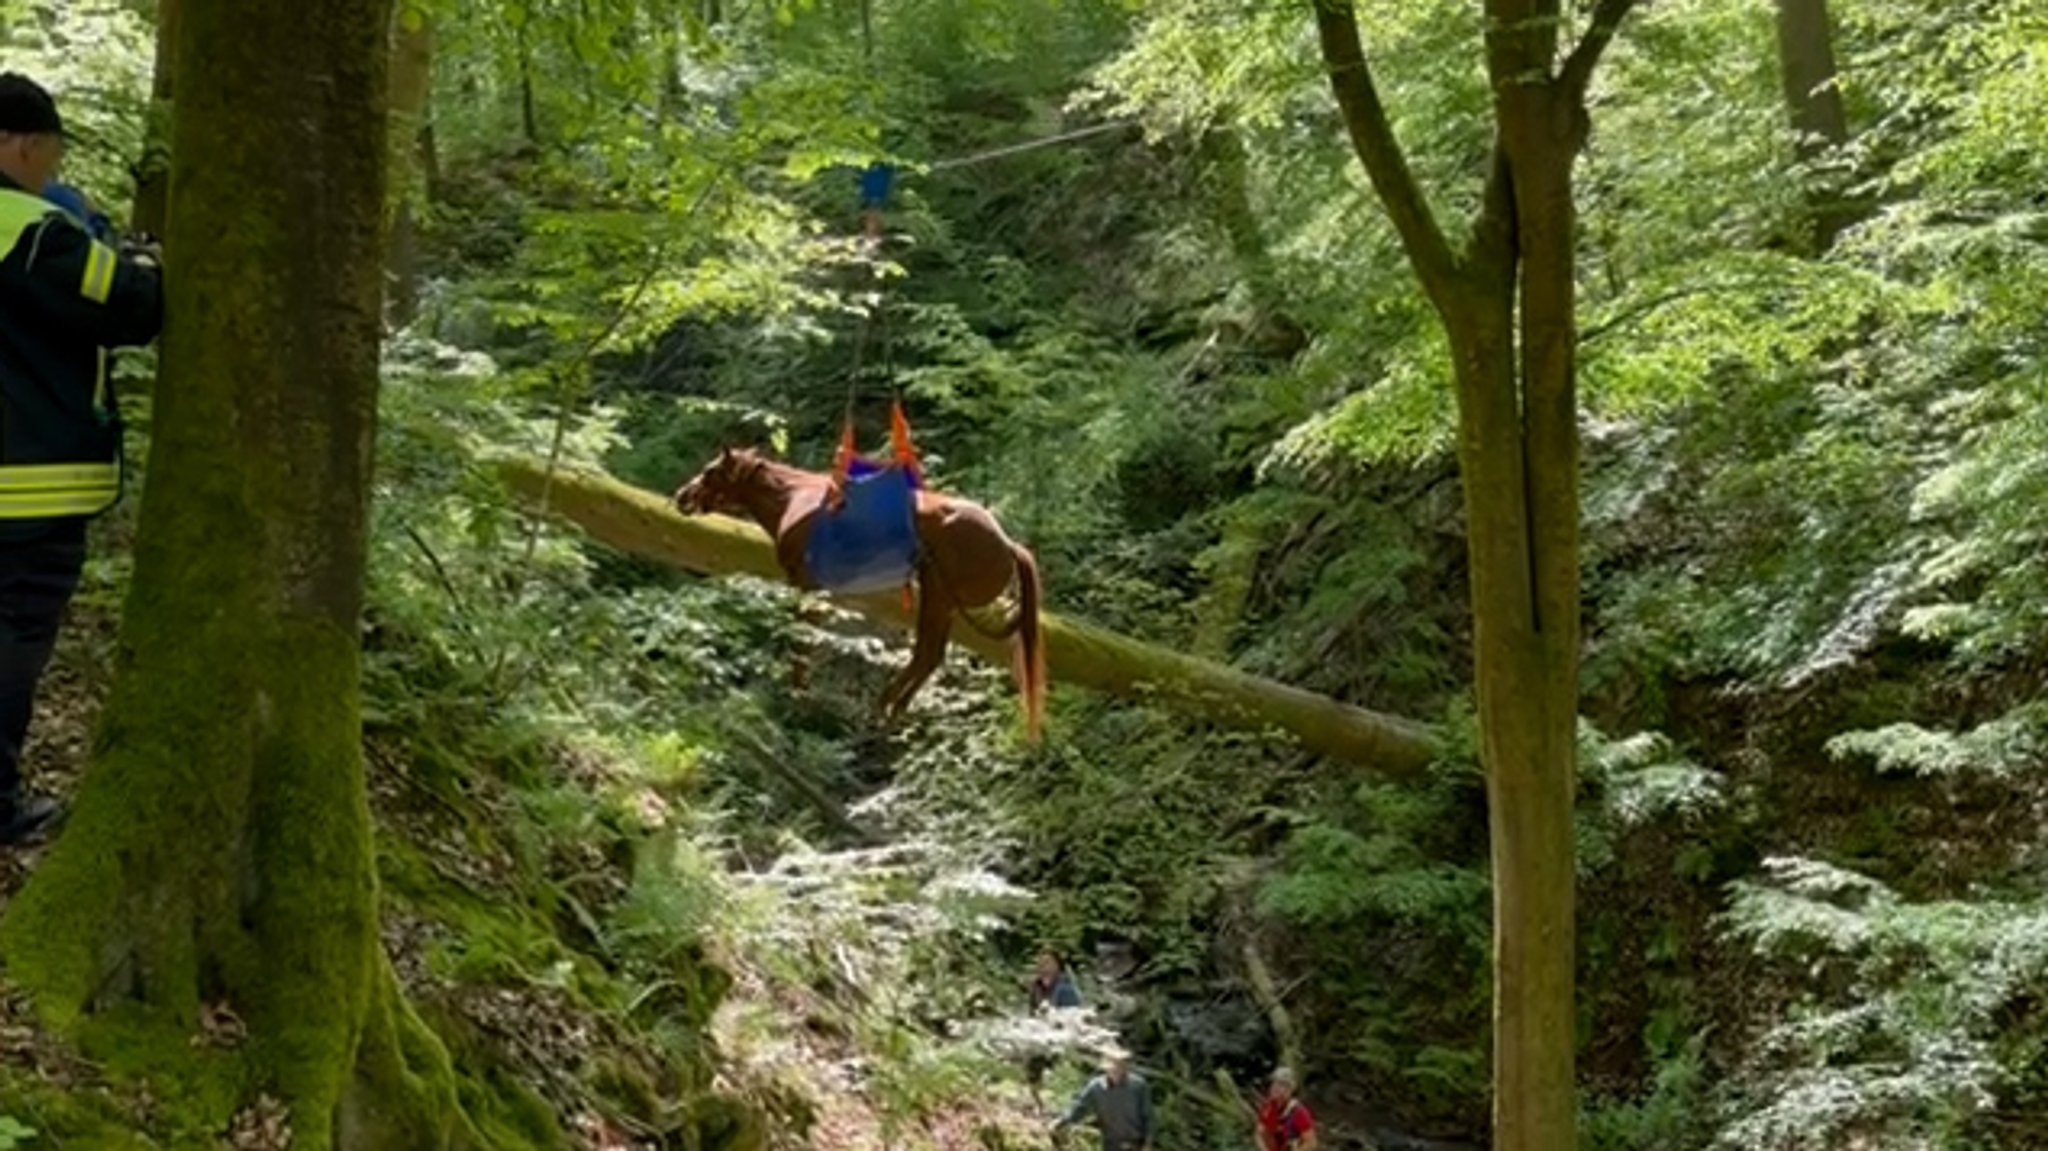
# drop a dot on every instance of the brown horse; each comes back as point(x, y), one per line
point(964, 563)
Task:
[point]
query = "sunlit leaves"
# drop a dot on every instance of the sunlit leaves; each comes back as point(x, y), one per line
point(1404, 417)
point(2009, 745)
point(1643, 779)
point(1897, 1041)
point(95, 57)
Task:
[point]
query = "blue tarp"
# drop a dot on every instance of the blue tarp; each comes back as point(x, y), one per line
point(874, 185)
point(870, 543)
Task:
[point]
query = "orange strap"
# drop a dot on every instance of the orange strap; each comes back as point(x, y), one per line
point(899, 437)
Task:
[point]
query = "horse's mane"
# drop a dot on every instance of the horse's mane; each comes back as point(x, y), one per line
point(750, 460)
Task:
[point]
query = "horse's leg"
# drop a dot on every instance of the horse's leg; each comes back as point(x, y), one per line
point(934, 624)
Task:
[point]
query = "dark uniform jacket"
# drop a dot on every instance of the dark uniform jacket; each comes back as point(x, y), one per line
point(65, 299)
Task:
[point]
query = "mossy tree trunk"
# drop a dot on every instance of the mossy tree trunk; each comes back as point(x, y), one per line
point(152, 210)
point(1229, 166)
point(219, 853)
point(1506, 299)
point(412, 69)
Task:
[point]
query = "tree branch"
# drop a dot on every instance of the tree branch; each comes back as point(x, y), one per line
point(1656, 303)
point(1260, 976)
point(1373, 139)
point(1578, 67)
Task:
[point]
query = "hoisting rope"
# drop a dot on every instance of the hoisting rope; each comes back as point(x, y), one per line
point(1030, 145)
point(875, 184)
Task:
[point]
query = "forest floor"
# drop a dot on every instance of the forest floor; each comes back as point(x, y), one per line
point(501, 954)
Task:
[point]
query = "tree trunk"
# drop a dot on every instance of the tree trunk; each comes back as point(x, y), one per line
point(1806, 61)
point(1225, 157)
point(412, 64)
point(529, 118)
point(1272, 331)
point(220, 849)
point(153, 173)
point(1526, 600)
point(1233, 566)
point(1806, 65)
point(1508, 305)
point(646, 524)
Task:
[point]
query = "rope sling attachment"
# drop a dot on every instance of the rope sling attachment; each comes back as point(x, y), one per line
point(877, 181)
point(867, 540)
point(868, 536)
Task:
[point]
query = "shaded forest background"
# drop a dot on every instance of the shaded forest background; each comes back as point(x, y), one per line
point(649, 867)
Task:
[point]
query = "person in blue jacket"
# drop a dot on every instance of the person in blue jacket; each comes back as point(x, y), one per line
point(1051, 984)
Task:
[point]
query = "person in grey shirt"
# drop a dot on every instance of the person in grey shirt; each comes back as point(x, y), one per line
point(1120, 1101)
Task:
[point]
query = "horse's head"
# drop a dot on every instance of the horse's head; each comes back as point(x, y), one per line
point(719, 486)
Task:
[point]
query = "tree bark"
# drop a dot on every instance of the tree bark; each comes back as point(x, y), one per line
point(1266, 990)
point(645, 523)
point(152, 209)
point(412, 65)
point(1806, 66)
point(1806, 61)
point(1226, 158)
point(529, 118)
point(220, 850)
point(1508, 305)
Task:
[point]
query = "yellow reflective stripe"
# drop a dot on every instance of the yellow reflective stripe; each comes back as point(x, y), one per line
point(56, 506)
point(98, 281)
point(43, 507)
point(36, 491)
point(36, 479)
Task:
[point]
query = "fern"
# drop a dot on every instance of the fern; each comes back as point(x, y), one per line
point(1900, 1038)
point(2001, 749)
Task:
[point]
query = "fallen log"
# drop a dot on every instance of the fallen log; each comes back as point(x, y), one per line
point(647, 524)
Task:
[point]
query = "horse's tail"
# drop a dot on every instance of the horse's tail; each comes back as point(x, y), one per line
point(1031, 644)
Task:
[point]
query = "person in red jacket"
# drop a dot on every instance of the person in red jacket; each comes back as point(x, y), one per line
point(1284, 1121)
point(65, 299)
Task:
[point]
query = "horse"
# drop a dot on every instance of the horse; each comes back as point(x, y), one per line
point(964, 563)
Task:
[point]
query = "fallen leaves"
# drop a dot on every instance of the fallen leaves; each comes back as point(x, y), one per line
point(265, 1125)
point(220, 1027)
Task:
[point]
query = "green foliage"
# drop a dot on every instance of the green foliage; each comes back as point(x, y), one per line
point(1336, 876)
point(1897, 1039)
point(1110, 827)
point(1642, 779)
point(1837, 509)
point(2000, 749)
point(1674, 1113)
point(1404, 866)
